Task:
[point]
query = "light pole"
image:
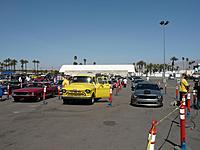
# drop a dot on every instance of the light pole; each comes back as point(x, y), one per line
point(163, 24)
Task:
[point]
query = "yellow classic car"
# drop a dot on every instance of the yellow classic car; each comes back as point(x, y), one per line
point(86, 87)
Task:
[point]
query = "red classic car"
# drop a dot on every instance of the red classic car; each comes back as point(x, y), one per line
point(34, 91)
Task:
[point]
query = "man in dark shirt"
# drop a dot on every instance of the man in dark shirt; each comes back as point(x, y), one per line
point(197, 88)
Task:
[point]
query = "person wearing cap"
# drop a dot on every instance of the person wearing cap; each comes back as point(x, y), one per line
point(183, 88)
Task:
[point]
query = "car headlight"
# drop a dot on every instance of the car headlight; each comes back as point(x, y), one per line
point(134, 96)
point(64, 91)
point(159, 97)
point(87, 91)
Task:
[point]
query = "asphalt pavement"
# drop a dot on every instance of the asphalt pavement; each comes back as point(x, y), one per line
point(54, 126)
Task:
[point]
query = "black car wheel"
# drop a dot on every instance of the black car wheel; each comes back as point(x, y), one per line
point(92, 100)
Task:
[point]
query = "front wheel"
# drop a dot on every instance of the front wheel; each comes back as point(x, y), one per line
point(91, 101)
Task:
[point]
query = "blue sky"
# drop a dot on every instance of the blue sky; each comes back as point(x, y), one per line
point(104, 31)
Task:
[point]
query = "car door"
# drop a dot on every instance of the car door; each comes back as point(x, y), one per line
point(48, 89)
point(107, 87)
point(102, 87)
point(99, 87)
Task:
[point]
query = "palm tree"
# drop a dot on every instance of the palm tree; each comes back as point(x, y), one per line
point(22, 64)
point(173, 59)
point(75, 60)
point(1, 66)
point(187, 59)
point(155, 68)
point(160, 67)
point(149, 68)
point(141, 64)
point(7, 63)
point(84, 60)
point(37, 62)
point(94, 63)
point(26, 62)
point(80, 63)
point(14, 63)
point(34, 62)
point(183, 58)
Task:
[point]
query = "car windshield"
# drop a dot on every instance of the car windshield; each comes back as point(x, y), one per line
point(82, 79)
point(137, 81)
point(147, 86)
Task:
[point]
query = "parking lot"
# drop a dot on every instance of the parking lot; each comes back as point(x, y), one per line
point(40, 126)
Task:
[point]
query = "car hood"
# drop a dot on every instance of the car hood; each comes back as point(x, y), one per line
point(147, 92)
point(31, 89)
point(80, 86)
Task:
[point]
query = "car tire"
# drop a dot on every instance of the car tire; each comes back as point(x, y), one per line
point(92, 100)
point(40, 97)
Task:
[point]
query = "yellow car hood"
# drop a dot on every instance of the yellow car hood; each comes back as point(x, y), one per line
point(80, 86)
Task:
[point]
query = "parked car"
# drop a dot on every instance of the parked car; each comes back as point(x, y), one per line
point(34, 91)
point(4, 89)
point(87, 88)
point(147, 94)
point(135, 82)
point(133, 78)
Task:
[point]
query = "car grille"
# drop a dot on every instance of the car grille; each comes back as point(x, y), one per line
point(76, 93)
point(21, 93)
point(147, 97)
point(149, 102)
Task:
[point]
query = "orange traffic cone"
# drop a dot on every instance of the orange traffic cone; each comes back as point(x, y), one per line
point(152, 136)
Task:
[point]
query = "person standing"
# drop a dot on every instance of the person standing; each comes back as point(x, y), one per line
point(65, 82)
point(183, 88)
point(1, 92)
point(125, 82)
point(197, 88)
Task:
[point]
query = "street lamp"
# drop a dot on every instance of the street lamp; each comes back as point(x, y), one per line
point(163, 24)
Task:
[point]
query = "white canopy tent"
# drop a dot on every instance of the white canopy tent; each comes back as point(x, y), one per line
point(113, 69)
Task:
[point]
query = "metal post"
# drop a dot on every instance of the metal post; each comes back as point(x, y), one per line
point(182, 124)
point(163, 24)
point(177, 91)
point(164, 80)
point(188, 103)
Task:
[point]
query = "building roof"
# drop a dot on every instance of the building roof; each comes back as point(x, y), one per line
point(127, 68)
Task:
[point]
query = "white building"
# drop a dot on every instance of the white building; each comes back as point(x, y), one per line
point(112, 69)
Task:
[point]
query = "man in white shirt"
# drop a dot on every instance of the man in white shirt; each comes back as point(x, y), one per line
point(125, 82)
